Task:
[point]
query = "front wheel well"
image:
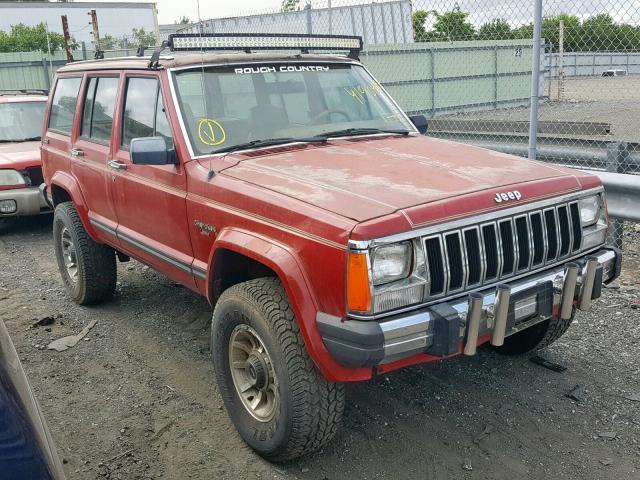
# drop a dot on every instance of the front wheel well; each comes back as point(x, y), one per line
point(59, 195)
point(231, 268)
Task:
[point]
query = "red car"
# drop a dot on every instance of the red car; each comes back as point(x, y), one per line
point(21, 118)
point(334, 240)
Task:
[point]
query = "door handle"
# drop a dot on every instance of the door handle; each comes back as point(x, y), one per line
point(117, 165)
point(76, 152)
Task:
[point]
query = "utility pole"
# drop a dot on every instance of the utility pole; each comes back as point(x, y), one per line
point(561, 62)
point(96, 34)
point(67, 38)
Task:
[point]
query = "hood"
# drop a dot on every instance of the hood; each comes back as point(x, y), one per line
point(365, 178)
point(20, 155)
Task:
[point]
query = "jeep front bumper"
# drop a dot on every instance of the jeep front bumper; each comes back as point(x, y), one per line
point(22, 202)
point(451, 327)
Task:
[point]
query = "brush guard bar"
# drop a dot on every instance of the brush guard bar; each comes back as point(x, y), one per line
point(462, 324)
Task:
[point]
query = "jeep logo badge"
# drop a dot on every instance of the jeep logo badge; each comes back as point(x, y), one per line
point(506, 196)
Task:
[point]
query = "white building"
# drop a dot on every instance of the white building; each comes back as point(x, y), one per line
point(114, 18)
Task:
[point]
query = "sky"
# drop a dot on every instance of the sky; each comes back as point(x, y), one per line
point(516, 11)
point(172, 10)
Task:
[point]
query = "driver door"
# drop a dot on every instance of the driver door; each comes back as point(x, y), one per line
point(150, 200)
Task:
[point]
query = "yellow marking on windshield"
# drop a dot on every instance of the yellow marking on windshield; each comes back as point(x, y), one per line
point(359, 92)
point(210, 132)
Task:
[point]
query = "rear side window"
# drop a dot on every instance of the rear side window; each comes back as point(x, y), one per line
point(144, 114)
point(63, 105)
point(99, 105)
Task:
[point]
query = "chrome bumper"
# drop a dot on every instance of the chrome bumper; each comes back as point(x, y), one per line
point(29, 201)
point(458, 326)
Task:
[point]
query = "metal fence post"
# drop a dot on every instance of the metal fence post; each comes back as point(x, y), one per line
point(495, 76)
point(617, 156)
point(307, 7)
point(432, 60)
point(535, 79)
point(45, 71)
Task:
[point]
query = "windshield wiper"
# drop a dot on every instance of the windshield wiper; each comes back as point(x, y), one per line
point(347, 132)
point(269, 142)
point(18, 140)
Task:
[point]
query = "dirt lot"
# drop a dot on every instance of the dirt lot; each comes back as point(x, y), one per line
point(614, 100)
point(136, 398)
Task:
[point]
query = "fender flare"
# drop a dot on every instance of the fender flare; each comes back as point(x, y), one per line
point(70, 185)
point(284, 262)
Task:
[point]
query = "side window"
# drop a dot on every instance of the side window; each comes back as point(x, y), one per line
point(144, 114)
point(63, 105)
point(99, 105)
point(162, 124)
point(85, 128)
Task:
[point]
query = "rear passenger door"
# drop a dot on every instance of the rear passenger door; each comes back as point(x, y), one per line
point(150, 200)
point(91, 151)
point(56, 141)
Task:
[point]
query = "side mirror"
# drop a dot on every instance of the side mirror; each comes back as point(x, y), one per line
point(420, 122)
point(151, 151)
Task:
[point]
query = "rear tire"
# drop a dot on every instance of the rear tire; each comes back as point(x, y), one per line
point(536, 337)
point(88, 268)
point(254, 330)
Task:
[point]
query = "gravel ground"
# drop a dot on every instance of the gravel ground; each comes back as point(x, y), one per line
point(136, 398)
point(614, 100)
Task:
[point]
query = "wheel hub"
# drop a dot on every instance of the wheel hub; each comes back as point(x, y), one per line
point(253, 373)
point(257, 371)
point(69, 254)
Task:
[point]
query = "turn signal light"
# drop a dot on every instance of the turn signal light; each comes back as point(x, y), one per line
point(358, 286)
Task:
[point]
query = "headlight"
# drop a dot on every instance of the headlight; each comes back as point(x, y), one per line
point(11, 177)
point(593, 216)
point(391, 262)
point(589, 210)
point(386, 277)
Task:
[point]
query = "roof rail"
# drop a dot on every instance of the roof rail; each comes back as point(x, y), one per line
point(248, 42)
point(24, 91)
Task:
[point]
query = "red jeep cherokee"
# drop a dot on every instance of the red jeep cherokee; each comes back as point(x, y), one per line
point(334, 241)
point(21, 115)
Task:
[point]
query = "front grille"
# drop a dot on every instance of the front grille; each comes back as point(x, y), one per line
point(477, 255)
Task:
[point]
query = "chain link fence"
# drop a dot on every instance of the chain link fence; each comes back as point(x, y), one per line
point(468, 66)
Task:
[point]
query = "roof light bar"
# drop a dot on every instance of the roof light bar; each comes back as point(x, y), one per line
point(249, 41)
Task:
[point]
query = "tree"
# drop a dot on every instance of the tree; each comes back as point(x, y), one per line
point(419, 19)
point(453, 25)
point(107, 42)
point(290, 5)
point(142, 38)
point(23, 38)
point(572, 31)
point(183, 21)
point(523, 32)
point(498, 29)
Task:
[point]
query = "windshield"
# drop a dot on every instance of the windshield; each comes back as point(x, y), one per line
point(227, 106)
point(20, 121)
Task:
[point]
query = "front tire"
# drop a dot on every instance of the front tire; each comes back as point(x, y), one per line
point(536, 337)
point(279, 402)
point(88, 268)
